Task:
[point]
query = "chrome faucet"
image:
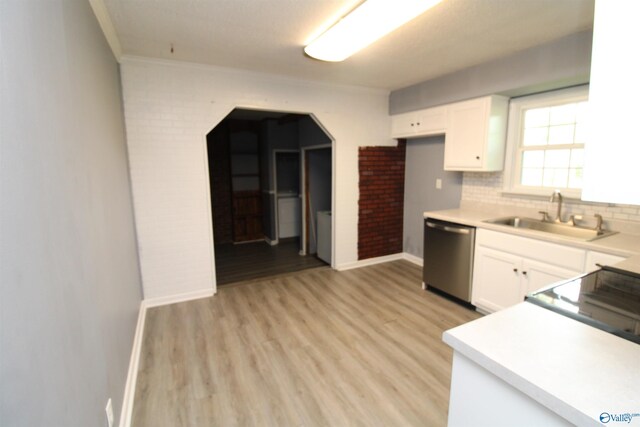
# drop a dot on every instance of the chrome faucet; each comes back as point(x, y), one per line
point(598, 223)
point(557, 195)
point(545, 216)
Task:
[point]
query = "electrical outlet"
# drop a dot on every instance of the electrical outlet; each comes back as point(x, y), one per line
point(438, 184)
point(109, 410)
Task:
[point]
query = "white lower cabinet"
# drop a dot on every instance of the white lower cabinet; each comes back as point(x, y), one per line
point(496, 281)
point(537, 275)
point(507, 267)
point(480, 398)
point(501, 279)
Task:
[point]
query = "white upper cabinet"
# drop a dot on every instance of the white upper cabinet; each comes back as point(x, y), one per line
point(475, 131)
point(612, 148)
point(476, 134)
point(431, 121)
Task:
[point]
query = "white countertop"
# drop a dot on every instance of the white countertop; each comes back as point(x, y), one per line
point(621, 244)
point(573, 369)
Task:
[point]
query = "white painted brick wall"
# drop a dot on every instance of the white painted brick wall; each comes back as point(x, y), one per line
point(169, 109)
point(487, 188)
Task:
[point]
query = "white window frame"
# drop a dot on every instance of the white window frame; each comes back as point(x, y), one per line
point(517, 106)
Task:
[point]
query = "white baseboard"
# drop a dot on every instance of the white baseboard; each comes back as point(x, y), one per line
point(172, 299)
point(414, 259)
point(370, 261)
point(132, 374)
point(387, 258)
point(271, 242)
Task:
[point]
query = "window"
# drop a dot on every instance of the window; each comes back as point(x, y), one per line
point(546, 142)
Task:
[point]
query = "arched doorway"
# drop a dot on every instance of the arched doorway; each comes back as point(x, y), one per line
point(270, 178)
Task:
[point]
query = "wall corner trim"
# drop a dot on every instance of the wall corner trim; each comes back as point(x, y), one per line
point(413, 259)
point(382, 259)
point(369, 261)
point(104, 19)
point(132, 375)
point(172, 299)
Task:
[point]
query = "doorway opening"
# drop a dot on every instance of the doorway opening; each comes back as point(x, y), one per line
point(270, 177)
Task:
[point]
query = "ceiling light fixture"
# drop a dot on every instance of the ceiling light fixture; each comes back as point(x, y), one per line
point(367, 23)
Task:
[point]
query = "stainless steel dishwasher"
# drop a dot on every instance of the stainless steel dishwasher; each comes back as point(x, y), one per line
point(448, 258)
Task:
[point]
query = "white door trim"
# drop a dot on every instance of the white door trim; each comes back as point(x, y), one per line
point(303, 195)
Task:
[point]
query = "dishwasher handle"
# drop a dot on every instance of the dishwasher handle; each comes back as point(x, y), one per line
point(447, 228)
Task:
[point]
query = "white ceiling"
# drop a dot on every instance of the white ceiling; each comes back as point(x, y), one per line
point(268, 35)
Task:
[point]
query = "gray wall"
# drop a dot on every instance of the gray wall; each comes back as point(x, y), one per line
point(424, 164)
point(268, 199)
point(279, 137)
point(319, 174)
point(311, 133)
point(273, 136)
point(319, 189)
point(290, 135)
point(562, 63)
point(69, 280)
point(288, 172)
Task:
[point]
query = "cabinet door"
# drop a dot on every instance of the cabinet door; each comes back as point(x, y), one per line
point(537, 275)
point(432, 121)
point(403, 125)
point(496, 279)
point(466, 135)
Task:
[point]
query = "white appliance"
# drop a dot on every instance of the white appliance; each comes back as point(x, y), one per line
point(288, 217)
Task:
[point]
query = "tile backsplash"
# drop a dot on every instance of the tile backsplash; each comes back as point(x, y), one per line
point(486, 188)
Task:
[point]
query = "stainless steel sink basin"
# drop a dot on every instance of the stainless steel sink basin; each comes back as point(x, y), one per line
point(587, 234)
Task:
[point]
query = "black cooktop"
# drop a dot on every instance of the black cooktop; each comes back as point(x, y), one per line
point(608, 299)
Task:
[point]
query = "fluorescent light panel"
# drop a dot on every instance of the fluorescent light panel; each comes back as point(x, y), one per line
point(367, 23)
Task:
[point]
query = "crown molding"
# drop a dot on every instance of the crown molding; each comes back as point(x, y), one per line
point(104, 19)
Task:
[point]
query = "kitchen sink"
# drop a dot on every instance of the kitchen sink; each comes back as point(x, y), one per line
point(582, 233)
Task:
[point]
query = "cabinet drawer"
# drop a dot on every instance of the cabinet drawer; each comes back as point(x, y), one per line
point(550, 253)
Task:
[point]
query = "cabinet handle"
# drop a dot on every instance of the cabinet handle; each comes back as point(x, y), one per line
point(477, 157)
point(515, 270)
point(411, 124)
point(418, 123)
point(458, 230)
point(524, 272)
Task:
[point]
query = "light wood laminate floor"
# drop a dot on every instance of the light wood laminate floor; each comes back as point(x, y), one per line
point(320, 347)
